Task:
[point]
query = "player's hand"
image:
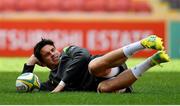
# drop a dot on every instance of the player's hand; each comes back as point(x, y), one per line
point(33, 60)
point(59, 88)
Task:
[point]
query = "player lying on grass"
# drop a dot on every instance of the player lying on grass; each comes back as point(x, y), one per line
point(75, 69)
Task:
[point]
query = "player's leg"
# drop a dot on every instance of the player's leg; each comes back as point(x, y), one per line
point(128, 77)
point(99, 65)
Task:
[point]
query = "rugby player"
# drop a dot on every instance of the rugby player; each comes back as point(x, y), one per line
point(75, 69)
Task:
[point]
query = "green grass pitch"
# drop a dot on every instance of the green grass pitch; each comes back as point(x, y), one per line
point(157, 86)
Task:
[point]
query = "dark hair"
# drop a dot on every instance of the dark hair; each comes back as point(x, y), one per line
point(40, 45)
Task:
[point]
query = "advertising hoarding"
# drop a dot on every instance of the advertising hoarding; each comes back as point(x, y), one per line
point(17, 38)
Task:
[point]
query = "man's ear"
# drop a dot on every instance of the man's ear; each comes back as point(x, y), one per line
point(41, 64)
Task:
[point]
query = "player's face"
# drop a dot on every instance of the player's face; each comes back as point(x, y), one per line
point(50, 55)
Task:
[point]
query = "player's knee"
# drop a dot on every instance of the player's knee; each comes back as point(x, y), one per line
point(93, 66)
point(104, 87)
point(96, 69)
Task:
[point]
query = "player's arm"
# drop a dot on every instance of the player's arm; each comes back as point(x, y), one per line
point(31, 62)
point(80, 57)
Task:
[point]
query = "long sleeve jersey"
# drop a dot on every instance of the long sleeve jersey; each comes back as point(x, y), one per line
point(72, 70)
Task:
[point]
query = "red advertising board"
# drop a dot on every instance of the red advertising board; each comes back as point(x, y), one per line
point(17, 38)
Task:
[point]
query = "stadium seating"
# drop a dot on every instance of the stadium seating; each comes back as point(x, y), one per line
point(118, 5)
point(8, 5)
point(76, 5)
point(71, 5)
point(94, 5)
point(25, 5)
point(48, 5)
point(1, 5)
point(140, 6)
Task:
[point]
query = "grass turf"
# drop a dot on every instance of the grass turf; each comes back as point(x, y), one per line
point(157, 86)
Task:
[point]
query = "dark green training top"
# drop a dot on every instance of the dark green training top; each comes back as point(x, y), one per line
point(73, 70)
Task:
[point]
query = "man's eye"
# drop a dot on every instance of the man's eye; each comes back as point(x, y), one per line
point(53, 49)
point(47, 54)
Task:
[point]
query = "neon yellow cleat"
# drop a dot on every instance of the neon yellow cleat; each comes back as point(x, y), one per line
point(160, 57)
point(152, 42)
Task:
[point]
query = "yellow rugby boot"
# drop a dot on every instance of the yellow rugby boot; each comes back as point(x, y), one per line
point(160, 57)
point(152, 42)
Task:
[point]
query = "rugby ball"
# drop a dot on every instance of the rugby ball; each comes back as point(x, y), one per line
point(27, 82)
